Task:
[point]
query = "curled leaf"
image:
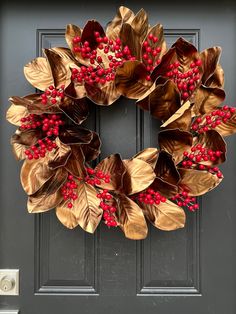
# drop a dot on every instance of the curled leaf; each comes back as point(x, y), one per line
point(178, 118)
point(75, 163)
point(148, 155)
point(113, 166)
point(60, 156)
point(104, 95)
point(197, 182)
point(140, 24)
point(15, 113)
point(75, 135)
point(131, 79)
point(131, 39)
point(131, 219)
point(71, 32)
point(75, 109)
point(165, 168)
point(139, 175)
point(175, 142)
point(38, 73)
point(165, 216)
point(92, 150)
point(210, 58)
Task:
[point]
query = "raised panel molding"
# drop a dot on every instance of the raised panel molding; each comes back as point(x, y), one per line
point(186, 282)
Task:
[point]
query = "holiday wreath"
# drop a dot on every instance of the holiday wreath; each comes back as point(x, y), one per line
point(180, 86)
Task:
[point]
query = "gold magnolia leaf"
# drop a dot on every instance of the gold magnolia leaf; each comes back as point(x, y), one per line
point(175, 142)
point(183, 123)
point(38, 73)
point(206, 99)
point(88, 33)
point(88, 213)
point(148, 155)
point(131, 79)
point(15, 113)
point(18, 151)
point(227, 128)
point(104, 95)
point(210, 58)
point(166, 216)
point(163, 67)
point(124, 15)
point(158, 32)
point(131, 219)
point(49, 195)
point(164, 188)
point(130, 38)
point(113, 166)
point(75, 91)
point(165, 168)
point(92, 150)
point(67, 216)
point(71, 32)
point(59, 68)
point(75, 163)
point(26, 137)
point(76, 109)
point(139, 175)
point(177, 115)
point(65, 54)
point(140, 24)
point(217, 78)
point(75, 135)
point(34, 174)
point(197, 182)
point(163, 101)
point(60, 155)
point(212, 140)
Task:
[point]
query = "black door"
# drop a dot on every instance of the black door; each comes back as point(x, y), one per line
point(62, 271)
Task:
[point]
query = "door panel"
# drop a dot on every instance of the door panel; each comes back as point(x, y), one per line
point(188, 270)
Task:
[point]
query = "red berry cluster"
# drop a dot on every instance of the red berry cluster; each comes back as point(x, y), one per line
point(95, 177)
point(109, 208)
point(150, 52)
point(213, 119)
point(187, 81)
point(200, 154)
point(67, 190)
point(96, 73)
point(150, 197)
point(183, 199)
point(49, 124)
point(52, 95)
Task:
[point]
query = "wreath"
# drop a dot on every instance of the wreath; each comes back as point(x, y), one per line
point(179, 86)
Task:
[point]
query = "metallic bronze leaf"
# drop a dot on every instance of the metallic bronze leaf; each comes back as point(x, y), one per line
point(179, 117)
point(130, 38)
point(217, 78)
point(88, 33)
point(88, 213)
point(15, 113)
point(197, 182)
point(71, 32)
point(131, 79)
point(67, 216)
point(75, 109)
point(65, 54)
point(102, 95)
point(38, 73)
point(131, 219)
point(213, 140)
point(34, 174)
point(112, 165)
point(124, 15)
point(162, 68)
point(140, 24)
point(227, 128)
point(165, 216)
point(175, 142)
point(59, 68)
point(75, 135)
point(148, 155)
point(49, 195)
point(60, 155)
point(18, 151)
point(139, 175)
point(165, 168)
point(75, 91)
point(158, 32)
point(166, 189)
point(26, 137)
point(210, 58)
point(206, 99)
point(163, 101)
point(92, 150)
point(75, 163)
